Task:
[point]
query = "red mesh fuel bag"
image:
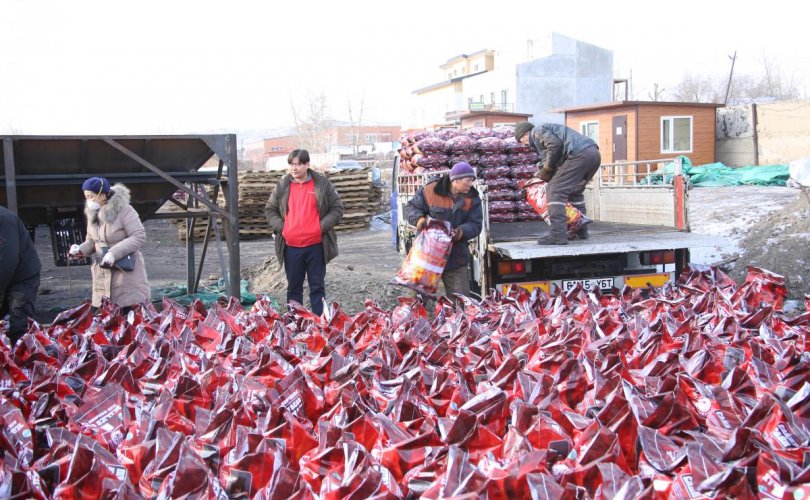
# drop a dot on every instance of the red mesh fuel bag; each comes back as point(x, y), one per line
point(536, 196)
point(424, 265)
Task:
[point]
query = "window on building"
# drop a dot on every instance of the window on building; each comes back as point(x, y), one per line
point(492, 97)
point(371, 138)
point(449, 76)
point(475, 68)
point(676, 134)
point(469, 103)
point(352, 138)
point(590, 129)
point(504, 97)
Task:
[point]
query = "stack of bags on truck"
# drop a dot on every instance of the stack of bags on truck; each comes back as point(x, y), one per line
point(360, 199)
point(501, 162)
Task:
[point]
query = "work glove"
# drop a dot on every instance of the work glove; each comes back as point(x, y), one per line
point(420, 224)
point(75, 251)
point(108, 260)
point(545, 174)
point(458, 233)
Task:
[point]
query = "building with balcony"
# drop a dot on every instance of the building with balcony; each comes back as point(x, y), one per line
point(531, 77)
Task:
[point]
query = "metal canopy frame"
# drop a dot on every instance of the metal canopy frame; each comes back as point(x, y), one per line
point(128, 157)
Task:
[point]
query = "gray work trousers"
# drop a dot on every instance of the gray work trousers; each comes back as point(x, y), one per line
point(456, 281)
point(567, 186)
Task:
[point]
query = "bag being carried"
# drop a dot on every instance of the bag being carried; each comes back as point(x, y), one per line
point(536, 196)
point(424, 265)
point(126, 263)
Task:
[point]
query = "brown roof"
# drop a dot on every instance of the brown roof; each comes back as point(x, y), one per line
point(624, 104)
point(495, 113)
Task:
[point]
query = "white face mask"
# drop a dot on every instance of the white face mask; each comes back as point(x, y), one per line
point(93, 205)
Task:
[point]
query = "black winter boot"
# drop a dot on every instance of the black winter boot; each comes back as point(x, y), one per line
point(582, 233)
point(558, 234)
point(549, 240)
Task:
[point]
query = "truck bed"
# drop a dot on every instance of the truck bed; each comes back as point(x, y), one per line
point(517, 240)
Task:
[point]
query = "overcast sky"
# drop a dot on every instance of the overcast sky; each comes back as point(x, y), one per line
point(173, 67)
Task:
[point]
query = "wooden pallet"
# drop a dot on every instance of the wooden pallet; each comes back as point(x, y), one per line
point(360, 200)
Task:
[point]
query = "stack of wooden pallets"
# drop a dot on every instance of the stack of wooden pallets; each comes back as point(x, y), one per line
point(360, 200)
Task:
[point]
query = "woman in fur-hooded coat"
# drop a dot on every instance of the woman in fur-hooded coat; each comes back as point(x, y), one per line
point(116, 225)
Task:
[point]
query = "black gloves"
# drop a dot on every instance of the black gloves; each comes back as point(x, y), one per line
point(545, 174)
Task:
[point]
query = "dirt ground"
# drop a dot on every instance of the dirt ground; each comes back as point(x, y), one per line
point(363, 271)
point(780, 242)
point(764, 226)
point(366, 264)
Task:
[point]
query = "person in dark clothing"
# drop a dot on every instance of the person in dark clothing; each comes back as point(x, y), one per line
point(570, 161)
point(452, 198)
point(303, 210)
point(19, 274)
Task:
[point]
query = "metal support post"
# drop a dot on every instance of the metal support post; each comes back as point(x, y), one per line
point(11, 178)
point(232, 225)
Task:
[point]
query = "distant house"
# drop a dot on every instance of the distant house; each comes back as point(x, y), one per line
point(338, 139)
point(648, 130)
point(491, 119)
point(530, 76)
point(256, 153)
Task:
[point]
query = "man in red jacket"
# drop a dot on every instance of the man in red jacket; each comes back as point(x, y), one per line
point(303, 210)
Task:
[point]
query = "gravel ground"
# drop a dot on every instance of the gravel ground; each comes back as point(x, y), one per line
point(763, 226)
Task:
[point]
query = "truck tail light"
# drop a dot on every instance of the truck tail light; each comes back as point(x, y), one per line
point(658, 257)
point(511, 267)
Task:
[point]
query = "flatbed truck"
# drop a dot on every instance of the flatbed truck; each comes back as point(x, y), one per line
point(639, 236)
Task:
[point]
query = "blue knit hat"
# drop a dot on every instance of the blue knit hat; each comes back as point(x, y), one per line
point(97, 185)
point(461, 170)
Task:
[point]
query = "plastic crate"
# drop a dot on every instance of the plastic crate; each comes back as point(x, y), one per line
point(67, 231)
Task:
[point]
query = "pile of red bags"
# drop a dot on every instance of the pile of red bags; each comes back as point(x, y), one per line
point(536, 197)
point(424, 265)
point(701, 389)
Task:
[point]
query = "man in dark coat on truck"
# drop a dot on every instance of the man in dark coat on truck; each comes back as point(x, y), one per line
point(570, 161)
point(452, 198)
point(19, 274)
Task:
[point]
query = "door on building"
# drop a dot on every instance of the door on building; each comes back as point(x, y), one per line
point(619, 138)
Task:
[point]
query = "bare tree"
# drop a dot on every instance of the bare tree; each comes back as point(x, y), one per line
point(774, 83)
point(12, 129)
point(312, 123)
point(696, 88)
point(356, 126)
point(741, 88)
point(657, 92)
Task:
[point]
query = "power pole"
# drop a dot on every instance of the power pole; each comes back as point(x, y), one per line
point(731, 73)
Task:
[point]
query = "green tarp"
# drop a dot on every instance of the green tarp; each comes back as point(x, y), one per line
point(718, 174)
point(208, 295)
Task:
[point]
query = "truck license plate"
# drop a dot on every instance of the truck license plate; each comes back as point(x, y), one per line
point(588, 285)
